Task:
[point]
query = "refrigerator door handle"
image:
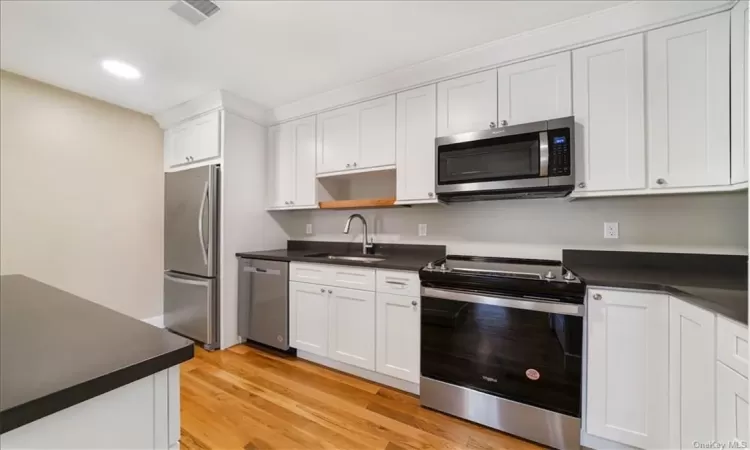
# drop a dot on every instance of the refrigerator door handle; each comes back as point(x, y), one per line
point(178, 279)
point(204, 250)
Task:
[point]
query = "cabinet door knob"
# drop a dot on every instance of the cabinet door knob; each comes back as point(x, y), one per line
point(330, 291)
point(661, 181)
point(430, 194)
point(581, 185)
point(348, 165)
point(503, 122)
point(597, 296)
point(322, 290)
point(413, 303)
point(187, 158)
point(192, 159)
point(354, 164)
point(291, 202)
point(492, 125)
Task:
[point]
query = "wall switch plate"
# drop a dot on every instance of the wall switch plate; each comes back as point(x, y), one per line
point(308, 228)
point(611, 230)
point(422, 229)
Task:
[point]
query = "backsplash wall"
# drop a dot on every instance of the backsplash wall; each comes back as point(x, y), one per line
point(706, 223)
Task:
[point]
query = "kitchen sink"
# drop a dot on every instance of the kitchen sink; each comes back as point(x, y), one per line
point(363, 258)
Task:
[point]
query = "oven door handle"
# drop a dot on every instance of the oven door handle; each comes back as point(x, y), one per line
point(566, 309)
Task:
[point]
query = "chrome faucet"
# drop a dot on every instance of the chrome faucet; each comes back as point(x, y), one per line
point(365, 244)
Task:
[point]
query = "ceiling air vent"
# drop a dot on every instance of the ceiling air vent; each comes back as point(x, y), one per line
point(195, 11)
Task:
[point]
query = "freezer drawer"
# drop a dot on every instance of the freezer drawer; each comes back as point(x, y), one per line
point(190, 307)
point(263, 302)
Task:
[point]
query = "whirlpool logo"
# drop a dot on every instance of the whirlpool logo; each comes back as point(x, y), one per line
point(490, 379)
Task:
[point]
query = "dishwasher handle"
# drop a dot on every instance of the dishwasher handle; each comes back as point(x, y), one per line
point(263, 271)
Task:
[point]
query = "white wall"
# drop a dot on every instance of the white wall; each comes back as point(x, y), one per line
point(81, 196)
point(541, 228)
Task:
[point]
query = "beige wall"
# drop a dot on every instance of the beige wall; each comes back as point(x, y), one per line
point(81, 195)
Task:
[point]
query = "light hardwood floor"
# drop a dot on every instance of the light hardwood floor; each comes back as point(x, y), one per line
point(249, 399)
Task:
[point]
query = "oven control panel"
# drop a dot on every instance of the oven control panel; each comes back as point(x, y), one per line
point(559, 152)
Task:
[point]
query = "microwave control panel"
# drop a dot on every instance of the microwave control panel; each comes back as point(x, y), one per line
point(559, 152)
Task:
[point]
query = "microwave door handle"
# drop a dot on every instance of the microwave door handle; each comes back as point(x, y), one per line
point(543, 154)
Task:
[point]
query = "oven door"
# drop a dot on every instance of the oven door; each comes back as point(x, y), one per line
point(493, 160)
point(523, 350)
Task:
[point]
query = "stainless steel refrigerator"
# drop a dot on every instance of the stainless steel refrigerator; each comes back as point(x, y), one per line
point(191, 256)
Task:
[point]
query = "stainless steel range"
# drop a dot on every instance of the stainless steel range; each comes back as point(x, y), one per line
point(501, 344)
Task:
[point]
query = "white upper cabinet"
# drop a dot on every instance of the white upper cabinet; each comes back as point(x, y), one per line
point(352, 327)
point(360, 136)
point(308, 317)
point(628, 367)
point(377, 133)
point(609, 109)
point(280, 169)
point(291, 164)
point(740, 91)
point(303, 143)
point(467, 103)
point(534, 90)
point(692, 356)
point(195, 140)
point(415, 145)
point(338, 140)
point(398, 336)
point(688, 103)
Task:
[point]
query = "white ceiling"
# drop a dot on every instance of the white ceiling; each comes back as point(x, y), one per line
point(270, 52)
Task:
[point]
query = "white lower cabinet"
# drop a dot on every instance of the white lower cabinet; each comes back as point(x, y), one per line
point(628, 367)
point(308, 317)
point(692, 356)
point(398, 336)
point(731, 405)
point(374, 326)
point(351, 331)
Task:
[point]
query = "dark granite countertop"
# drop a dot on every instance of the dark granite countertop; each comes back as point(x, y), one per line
point(715, 282)
point(58, 350)
point(396, 256)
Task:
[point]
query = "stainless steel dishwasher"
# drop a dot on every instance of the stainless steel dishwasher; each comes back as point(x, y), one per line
point(263, 302)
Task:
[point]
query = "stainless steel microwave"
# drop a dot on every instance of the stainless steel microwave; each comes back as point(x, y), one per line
point(530, 160)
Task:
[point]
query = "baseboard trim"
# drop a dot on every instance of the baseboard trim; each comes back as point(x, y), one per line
point(157, 321)
point(387, 380)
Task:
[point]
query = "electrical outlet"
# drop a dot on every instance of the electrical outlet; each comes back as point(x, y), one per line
point(611, 230)
point(308, 228)
point(423, 229)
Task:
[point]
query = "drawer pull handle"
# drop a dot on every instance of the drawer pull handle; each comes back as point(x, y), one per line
point(399, 283)
point(597, 296)
point(413, 303)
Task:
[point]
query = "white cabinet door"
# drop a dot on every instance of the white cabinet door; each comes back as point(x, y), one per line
point(609, 109)
point(206, 136)
point(628, 364)
point(180, 143)
point(303, 144)
point(688, 103)
point(377, 133)
point(308, 317)
point(692, 356)
point(338, 139)
point(398, 336)
point(415, 144)
point(731, 405)
point(352, 327)
point(280, 166)
point(467, 103)
point(534, 90)
point(740, 91)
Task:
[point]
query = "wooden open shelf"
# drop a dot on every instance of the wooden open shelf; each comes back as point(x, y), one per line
point(357, 204)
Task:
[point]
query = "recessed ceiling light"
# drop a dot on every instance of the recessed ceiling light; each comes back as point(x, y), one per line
point(121, 69)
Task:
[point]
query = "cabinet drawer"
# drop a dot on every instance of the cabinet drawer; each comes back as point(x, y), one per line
point(731, 344)
point(308, 273)
point(352, 277)
point(398, 282)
